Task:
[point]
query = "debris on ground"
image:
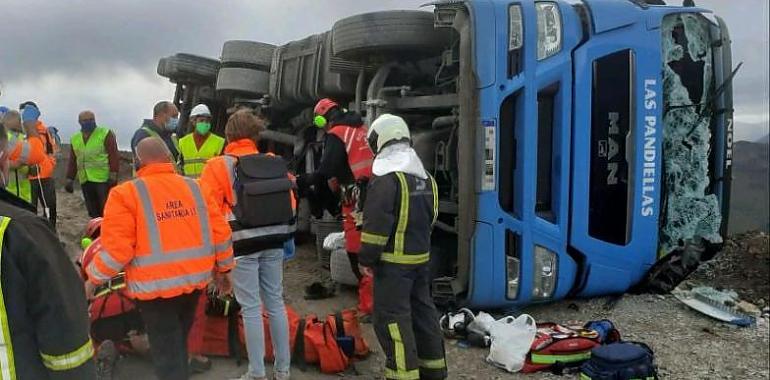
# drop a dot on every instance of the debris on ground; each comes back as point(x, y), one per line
point(723, 305)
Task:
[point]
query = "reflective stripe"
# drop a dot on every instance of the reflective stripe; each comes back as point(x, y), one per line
point(69, 360)
point(109, 261)
point(196, 161)
point(7, 364)
point(263, 231)
point(403, 216)
point(169, 283)
point(435, 197)
point(172, 256)
point(24, 152)
point(96, 273)
point(433, 364)
point(361, 164)
point(402, 375)
point(224, 246)
point(553, 359)
point(374, 239)
point(406, 258)
point(230, 162)
point(228, 261)
point(399, 352)
point(157, 255)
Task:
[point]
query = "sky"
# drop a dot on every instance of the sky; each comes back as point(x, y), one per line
point(74, 55)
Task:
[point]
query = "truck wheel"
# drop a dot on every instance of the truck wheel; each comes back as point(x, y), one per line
point(243, 81)
point(389, 33)
point(257, 55)
point(187, 67)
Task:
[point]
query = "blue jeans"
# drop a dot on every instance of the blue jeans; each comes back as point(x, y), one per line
point(258, 278)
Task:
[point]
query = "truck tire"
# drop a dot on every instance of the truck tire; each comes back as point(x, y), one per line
point(187, 67)
point(243, 81)
point(238, 53)
point(390, 33)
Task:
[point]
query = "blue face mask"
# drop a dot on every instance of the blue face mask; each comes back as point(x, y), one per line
point(172, 123)
point(87, 126)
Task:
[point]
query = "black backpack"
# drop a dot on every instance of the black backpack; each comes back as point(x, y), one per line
point(620, 361)
point(263, 191)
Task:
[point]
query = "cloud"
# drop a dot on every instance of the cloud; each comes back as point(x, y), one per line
point(77, 54)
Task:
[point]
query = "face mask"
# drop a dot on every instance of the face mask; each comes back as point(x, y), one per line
point(202, 127)
point(88, 126)
point(171, 124)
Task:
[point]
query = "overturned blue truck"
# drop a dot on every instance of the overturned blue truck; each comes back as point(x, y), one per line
point(581, 148)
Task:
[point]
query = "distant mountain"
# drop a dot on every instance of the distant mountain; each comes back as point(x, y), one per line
point(749, 203)
point(763, 140)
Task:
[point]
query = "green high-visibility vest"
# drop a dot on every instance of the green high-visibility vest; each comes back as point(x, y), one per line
point(92, 160)
point(193, 159)
point(18, 183)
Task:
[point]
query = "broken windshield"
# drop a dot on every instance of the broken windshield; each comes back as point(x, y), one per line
point(690, 213)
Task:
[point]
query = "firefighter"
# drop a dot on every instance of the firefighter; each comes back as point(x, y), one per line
point(43, 313)
point(400, 210)
point(161, 229)
point(23, 150)
point(346, 165)
point(200, 145)
point(95, 161)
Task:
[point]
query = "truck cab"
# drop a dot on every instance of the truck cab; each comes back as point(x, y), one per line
point(581, 148)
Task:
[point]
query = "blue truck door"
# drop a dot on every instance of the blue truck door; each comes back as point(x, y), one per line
point(616, 168)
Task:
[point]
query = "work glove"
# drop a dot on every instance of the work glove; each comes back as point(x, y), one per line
point(30, 114)
point(69, 186)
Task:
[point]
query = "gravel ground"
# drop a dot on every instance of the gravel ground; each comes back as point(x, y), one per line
point(687, 345)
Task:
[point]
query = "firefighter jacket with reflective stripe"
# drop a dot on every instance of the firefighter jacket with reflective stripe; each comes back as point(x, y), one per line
point(193, 159)
point(43, 311)
point(23, 153)
point(161, 229)
point(45, 168)
point(218, 178)
point(360, 156)
point(91, 156)
point(399, 214)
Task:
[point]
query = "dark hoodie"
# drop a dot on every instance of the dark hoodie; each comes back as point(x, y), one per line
point(141, 133)
point(334, 160)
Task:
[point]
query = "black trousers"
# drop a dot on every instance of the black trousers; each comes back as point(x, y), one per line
point(95, 196)
point(168, 321)
point(44, 193)
point(406, 323)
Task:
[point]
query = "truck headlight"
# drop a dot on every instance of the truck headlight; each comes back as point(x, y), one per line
point(548, 29)
point(544, 273)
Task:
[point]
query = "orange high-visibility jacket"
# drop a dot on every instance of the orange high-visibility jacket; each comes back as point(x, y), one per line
point(166, 232)
point(46, 167)
point(27, 151)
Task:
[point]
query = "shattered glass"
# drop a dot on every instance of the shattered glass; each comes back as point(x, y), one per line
point(690, 213)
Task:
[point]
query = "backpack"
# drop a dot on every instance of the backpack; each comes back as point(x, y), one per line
point(620, 361)
point(262, 191)
point(556, 346)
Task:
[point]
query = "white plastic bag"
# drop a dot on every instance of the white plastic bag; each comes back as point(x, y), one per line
point(511, 340)
point(335, 240)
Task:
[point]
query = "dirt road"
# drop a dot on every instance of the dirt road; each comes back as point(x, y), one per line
point(687, 345)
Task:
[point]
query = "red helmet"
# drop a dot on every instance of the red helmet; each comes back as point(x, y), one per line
point(324, 105)
point(93, 228)
point(88, 255)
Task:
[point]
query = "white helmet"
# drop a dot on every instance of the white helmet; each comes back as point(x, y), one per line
point(200, 110)
point(386, 129)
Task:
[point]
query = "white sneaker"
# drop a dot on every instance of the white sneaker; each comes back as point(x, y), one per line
point(249, 376)
point(281, 376)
